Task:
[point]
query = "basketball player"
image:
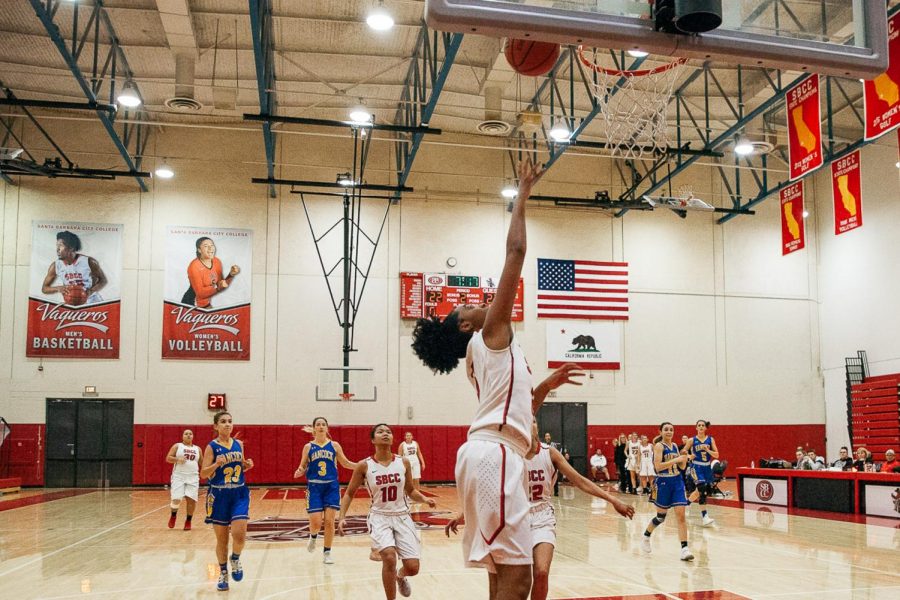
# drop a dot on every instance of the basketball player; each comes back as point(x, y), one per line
point(490, 466)
point(205, 275)
point(410, 449)
point(669, 489)
point(645, 466)
point(323, 493)
point(389, 480)
point(634, 457)
point(185, 458)
point(77, 277)
point(702, 449)
point(228, 498)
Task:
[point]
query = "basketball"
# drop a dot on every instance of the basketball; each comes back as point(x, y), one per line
point(74, 295)
point(531, 58)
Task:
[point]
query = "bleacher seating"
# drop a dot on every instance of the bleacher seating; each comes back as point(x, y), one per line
point(875, 417)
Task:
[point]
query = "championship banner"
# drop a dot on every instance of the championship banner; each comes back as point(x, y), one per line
point(881, 96)
point(206, 307)
point(804, 125)
point(846, 188)
point(592, 346)
point(793, 229)
point(75, 290)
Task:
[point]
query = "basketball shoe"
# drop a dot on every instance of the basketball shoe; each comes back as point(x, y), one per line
point(237, 571)
point(222, 585)
point(403, 586)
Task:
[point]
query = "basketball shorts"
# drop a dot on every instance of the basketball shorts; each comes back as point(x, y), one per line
point(704, 473)
point(225, 505)
point(320, 496)
point(415, 467)
point(543, 525)
point(647, 469)
point(490, 483)
point(185, 486)
point(398, 531)
point(629, 463)
point(669, 492)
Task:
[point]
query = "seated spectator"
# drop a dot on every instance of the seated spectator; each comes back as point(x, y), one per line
point(816, 463)
point(891, 464)
point(863, 458)
point(598, 465)
point(844, 461)
point(802, 461)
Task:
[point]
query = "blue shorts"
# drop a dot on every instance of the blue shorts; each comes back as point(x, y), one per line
point(224, 505)
point(669, 492)
point(320, 496)
point(704, 473)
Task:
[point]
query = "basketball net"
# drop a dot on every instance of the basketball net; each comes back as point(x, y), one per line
point(633, 104)
point(346, 397)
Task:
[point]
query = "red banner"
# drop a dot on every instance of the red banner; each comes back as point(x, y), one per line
point(793, 230)
point(881, 96)
point(847, 192)
point(804, 124)
point(61, 331)
point(197, 334)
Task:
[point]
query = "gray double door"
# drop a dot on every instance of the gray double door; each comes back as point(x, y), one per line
point(567, 424)
point(89, 442)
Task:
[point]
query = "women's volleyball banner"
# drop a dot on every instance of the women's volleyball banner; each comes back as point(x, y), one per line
point(804, 124)
point(592, 346)
point(846, 186)
point(206, 297)
point(793, 230)
point(881, 96)
point(74, 293)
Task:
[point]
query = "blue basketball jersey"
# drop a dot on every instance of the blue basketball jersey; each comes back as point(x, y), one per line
point(700, 450)
point(322, 467)
point(670, 452)
point(232, 472)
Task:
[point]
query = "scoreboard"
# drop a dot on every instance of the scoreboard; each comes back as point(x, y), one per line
point(437, 294)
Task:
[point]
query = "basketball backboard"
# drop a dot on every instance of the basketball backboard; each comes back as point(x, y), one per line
point(835, 37)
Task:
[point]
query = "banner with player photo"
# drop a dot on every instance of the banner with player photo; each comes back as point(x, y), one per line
point(793, 226)
point(74, 293)
point(804, 125)
point(881, 96)
point(206, 293)
point(846, 186)
point(592, 346)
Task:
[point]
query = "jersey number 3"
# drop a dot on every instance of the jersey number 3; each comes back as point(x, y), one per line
point(322, 468)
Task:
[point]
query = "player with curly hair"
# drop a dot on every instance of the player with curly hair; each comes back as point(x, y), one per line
point(76, 276)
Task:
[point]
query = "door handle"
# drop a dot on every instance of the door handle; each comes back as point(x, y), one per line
point(71, 449)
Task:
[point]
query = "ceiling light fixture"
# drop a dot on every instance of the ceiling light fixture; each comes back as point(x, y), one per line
point(560, 133)
point(359, 115)
point(164, 171)
point(380, 19)
point(743, 148)
point(345, 179)
point(509, 191)
point(128, 95)
point(637, 53)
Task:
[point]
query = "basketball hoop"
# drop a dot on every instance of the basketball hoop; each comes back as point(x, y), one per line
point(633, 104)
point(346, 396)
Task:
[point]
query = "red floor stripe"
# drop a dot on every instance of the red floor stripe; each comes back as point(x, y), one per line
point(41, 498)
point(703, 595)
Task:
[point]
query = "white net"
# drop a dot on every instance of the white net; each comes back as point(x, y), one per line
point(633, 104)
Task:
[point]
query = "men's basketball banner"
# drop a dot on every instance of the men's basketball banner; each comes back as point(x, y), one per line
point(582, 289)
point(881, 96)
point(793, 228)
point(75, 287)
point(593, 346)
point(206, 307)
point(846, 186)
point(804, 124)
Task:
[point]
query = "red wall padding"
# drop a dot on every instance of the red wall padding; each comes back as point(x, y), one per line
point(275, 449)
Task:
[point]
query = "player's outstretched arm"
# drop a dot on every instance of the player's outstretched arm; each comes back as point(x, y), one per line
point(304, 462)
point(408, 488)
point(342, 458)
point(587, 486)
point(359, 474)
point(559, 377)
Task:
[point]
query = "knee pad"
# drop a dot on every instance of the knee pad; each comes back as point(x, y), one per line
point(175, 504)
point(659, 519)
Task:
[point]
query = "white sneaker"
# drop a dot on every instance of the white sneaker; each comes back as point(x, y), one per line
point(311, 546)
point(326, 558)
point(645, 545)
point(708, 521)
point(403, 586)
point(686, 554)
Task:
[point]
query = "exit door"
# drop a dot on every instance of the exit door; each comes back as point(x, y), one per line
point(567, 424)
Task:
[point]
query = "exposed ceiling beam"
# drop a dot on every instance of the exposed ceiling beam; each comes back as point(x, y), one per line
point(264, 56)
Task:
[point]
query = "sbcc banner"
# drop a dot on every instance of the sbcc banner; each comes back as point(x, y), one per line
point(206, 308)
point(765, 491)
point(804, 124)
point(846, 187)
point(75, 290)
point(883, 500)
point(593, 346)
point(793, 229)
point(881, 96)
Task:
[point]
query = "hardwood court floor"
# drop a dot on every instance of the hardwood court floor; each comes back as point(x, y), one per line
point(115, 544)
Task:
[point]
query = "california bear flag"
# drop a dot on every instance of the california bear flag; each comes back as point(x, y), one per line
point(593, 346)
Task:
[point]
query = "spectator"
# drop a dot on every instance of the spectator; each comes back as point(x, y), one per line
point(891, 464)
point(844, 461)
point(802, 461)
point(548, 439)
point(598, 465)
point(863, 458)
point(816, 463)
point(621, 456)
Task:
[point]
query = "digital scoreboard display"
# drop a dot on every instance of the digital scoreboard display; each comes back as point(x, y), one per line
point(437, 294)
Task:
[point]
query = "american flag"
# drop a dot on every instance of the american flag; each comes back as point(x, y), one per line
point(582, 289)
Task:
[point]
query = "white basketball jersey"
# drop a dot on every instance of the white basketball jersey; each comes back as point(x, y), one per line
point(191, 456)
point(634, 448)
point(386, 485)
point(409, 450)
point(647, 453)
point(502, 381)
point(78, 273)
point(541, 476)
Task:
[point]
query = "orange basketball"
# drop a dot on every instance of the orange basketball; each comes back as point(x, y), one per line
point(74, 295)
point(531, 58)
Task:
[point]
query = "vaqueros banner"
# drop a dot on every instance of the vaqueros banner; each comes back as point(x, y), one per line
point(793, 230)
point(847, 191)
point(592, 346)
point(206, 308)
point(75, 290)
point(804, 124)
point(881, 96)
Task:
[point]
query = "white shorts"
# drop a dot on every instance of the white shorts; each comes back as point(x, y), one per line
point(398, 531)
point(629, 464)
point(415, 467)
point(647, 469)
point(185, 486)
point(543, 525)
point(490, 482)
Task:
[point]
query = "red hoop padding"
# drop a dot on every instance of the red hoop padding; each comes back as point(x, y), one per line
point(346, 397)
point(628, 72)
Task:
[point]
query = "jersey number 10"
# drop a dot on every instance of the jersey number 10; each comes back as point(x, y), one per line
point(389, 493)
